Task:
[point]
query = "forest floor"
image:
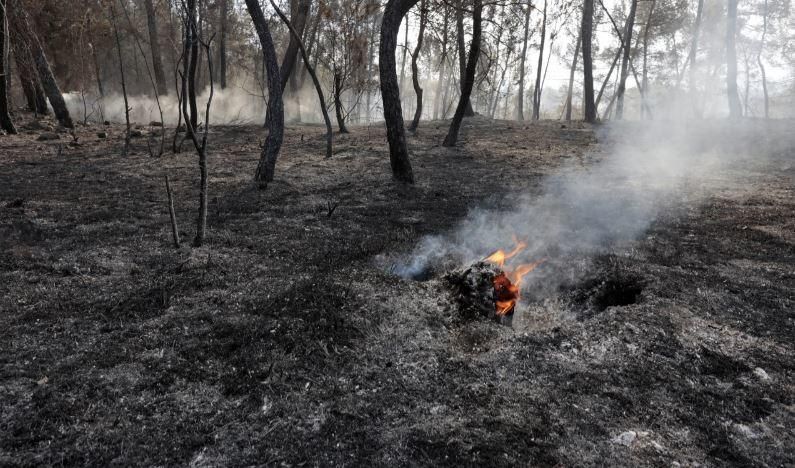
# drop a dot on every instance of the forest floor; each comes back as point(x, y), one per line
point(283, 341)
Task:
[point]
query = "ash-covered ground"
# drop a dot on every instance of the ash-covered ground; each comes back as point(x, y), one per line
point(288, 341)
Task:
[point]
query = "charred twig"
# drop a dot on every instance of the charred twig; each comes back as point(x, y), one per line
point(331, 207)
point(172, 214)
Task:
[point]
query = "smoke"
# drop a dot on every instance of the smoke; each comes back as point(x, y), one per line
point(230, 106)
point(587, 209)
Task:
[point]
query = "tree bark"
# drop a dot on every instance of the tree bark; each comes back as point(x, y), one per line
point(586, 31)
point(462, 61)
point(627, 40)
point(394, 11)
point(5, 117)
point(735, 109)
point(154, 45)
point(311, 70)
point(520, 98)
point(537, 87)
point(275, 121)
point(414, 69)
point(469, 76)
point(299, 10)
point(20, 20)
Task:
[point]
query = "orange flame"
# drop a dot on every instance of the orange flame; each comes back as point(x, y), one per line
point(508, 283)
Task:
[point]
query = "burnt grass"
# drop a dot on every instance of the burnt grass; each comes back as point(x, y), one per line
point(284, 342)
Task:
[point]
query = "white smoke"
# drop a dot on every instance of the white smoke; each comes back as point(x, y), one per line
point(231, 106)
point(588, 208)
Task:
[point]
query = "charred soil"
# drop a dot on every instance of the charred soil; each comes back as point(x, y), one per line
point(284, 342)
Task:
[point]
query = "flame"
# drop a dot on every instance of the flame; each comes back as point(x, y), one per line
point(499, 257)
point(508, 282)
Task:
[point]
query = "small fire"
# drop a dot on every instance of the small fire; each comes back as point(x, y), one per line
point(508, 283)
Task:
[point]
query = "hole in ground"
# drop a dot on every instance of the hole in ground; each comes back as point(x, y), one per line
point(617, 292)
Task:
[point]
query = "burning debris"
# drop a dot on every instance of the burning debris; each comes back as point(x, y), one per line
point(487, 288)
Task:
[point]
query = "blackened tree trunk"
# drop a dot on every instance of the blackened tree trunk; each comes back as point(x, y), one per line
point(31, 88)
point(735, 109)
point(627, 41)
point(154, 45)
point(469, 76)
point(537, 86)
point(440, 85)
point(224, 26)
point(299, 10)
point(5, 117)
point(192, 54)
point(275, 120)
point(311, 70)
point(570, 92)
point(338, 101)
point(20, 20)
point(520, 97)
point(462, 61)
point(394, 11)
point(123, 81)
point(414, 69)
point(586, 31)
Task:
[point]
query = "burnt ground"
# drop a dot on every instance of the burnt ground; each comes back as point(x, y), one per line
point(282, 341)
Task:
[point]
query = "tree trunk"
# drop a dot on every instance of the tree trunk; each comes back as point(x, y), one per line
point(520, 98)
point(627, 40)
point(462, 61)
point(21, 22)
point(5, 117)
point(571, 78)
point(607, 78)
point(154, 44)
point(338, 101)
point(123, 82)
point(469, 76)
point(224, 4)
point(759, 61)
point(403, 60)
point(311, 71)
point(31, 87)
point(537, 87)
point(390, 91)
point(192, 44)
point(496, 100)
point(442, 63)
point(735, 110)
point(693, 53)
point(414, 69)
point(275, 121)
point(586, 31)
point(645, 83)
point(93, 45)
point(299, 10)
